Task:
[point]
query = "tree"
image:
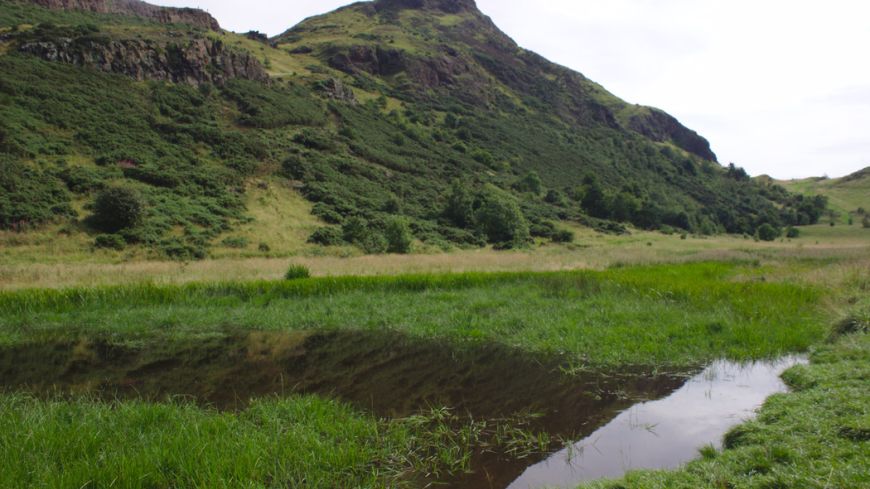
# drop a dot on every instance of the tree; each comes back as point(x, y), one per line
point(531, 182)
point(117, 208)
point(499, 218)
point(594, 201)
point(460, 205)
point(766, 232)
point(399, 237)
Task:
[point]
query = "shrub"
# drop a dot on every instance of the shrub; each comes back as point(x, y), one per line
point(264, 248)
point(398, 235)
point(500, 219)
point(361, 233)
point(110, 241)
point(792, 232)
point(866, 222)
point(327, 236)
point(460, 205)
point(766, 232)
point(296, 272)
point(531, 182)
point(563, 236)
point(235, 242)
point(117, 208)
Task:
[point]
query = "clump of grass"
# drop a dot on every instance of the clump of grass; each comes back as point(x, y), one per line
point(296, 272)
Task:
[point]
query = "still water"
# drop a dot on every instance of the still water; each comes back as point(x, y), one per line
point(666, 433)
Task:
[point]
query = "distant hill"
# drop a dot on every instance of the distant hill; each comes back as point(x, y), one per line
point(394, 119)
point(846, 195)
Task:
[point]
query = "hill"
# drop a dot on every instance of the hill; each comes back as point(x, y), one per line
point(846, 195)
point(395, 119)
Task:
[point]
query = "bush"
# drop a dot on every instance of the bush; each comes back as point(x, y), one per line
point(361, 233)
point(563, 236)
point(110, 242)
point(792, 232)
point(398, 235)
point(235, 242)
point(766, 232)
point(500, 219)
point(296, 272)
point(866, 222)
point(327, 236)
point(118, 208)
point(264, 248)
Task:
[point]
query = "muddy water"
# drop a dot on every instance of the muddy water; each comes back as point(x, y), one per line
point(384, 373)
point(665, 433)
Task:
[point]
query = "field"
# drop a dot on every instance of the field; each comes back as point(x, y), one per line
point(390, 371)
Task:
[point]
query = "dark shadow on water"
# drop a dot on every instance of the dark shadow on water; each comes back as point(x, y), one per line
point(389, 374)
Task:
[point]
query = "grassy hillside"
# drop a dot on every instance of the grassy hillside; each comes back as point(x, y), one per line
point(402, 127)
point(845, 195)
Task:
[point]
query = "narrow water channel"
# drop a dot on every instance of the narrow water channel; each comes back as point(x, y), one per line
point(666, 433)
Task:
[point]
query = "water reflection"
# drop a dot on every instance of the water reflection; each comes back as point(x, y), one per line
point(666, 433)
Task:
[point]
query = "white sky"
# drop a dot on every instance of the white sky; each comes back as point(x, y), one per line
point(780, 87)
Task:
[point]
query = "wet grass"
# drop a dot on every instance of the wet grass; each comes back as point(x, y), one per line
point(664, 315)
point(294, 442)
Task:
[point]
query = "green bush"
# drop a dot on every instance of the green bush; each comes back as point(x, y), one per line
point(235, 242)
point(117, 208)
point(110, 241)
point(766, 232)
point(792, 232)
point(327, 236)
point(501, 220)
point(398, 235)
point(296, 272)
point(563, 236)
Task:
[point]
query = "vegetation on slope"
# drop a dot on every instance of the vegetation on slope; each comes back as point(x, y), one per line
point(366, 143)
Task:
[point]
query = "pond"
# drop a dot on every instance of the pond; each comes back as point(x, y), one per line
point(665, 433)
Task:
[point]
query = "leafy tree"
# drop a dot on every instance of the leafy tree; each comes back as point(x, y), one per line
point(500, 219)
point(792, 232)
point(117, 208)
point(766, 232)
point(531, 183)
point(398, 235)
point(594, 201)
point(460, 205)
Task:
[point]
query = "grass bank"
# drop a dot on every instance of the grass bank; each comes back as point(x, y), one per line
point(667, 315)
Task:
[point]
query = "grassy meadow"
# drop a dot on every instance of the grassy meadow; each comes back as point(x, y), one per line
point(640, 303)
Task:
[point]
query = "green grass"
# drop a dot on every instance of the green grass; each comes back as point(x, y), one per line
point(815, 437)
point(294, 442)
point(674, 315)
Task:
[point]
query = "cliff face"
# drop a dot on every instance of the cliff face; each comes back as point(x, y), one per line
point(137, 8)
point(193, 62)
point(660, 126)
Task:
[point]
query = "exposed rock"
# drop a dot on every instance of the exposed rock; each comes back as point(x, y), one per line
point(660, 126)
point(336, 89)
point(197, 61)
point(137, 8)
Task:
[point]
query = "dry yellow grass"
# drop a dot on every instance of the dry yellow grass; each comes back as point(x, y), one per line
point(591, 250)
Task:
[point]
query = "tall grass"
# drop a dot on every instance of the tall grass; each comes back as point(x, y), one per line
point(661, 315)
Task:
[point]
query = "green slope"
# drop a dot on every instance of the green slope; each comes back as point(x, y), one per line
point(846, 195)
point(373, 112)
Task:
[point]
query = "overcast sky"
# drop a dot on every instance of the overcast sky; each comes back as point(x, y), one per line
point(780, 87)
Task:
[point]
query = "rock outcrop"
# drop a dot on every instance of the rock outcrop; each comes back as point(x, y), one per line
point(195, 61)
point(137, 8)
point(660, 126)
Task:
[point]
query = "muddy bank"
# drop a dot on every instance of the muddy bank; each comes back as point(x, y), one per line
point(385, 373)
